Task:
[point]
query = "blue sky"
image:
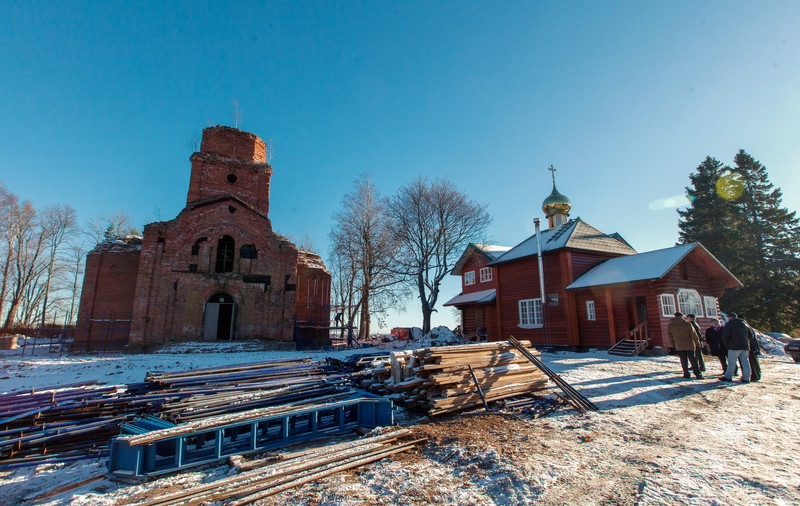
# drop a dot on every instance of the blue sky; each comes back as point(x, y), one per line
point(99, 102)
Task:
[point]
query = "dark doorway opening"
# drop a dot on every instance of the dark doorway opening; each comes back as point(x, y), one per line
point(220, 317)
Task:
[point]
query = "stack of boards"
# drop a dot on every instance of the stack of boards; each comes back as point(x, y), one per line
point(438, 380)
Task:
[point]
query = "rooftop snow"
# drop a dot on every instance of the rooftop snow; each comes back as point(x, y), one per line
point(476, 297)
point(639, 267)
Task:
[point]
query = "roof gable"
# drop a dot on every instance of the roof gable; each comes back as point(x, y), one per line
point(574, 234)
point(487, 251)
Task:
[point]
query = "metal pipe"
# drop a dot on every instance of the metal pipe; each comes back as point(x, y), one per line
point(541, 265)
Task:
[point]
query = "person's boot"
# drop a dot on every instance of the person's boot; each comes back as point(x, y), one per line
point(687, 375)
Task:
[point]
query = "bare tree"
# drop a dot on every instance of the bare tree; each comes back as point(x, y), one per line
point(365, 248)
point(110, 226)
point(76, 254)
point(58, 223)
point(25, 247)
point(433, 222)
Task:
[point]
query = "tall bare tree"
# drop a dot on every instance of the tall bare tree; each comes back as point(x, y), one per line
point(433, 221)
point(58, 223)
point(364, 250)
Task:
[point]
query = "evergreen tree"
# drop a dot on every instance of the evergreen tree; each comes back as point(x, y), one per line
point(711, 216)
point(771, 237)
point(736, 213)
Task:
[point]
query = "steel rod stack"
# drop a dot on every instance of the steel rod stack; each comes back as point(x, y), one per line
point(261, 479)
point(438, 380)
point(574, 397)
point(73, 422)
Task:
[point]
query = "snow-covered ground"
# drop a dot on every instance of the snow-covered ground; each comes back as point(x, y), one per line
point(658, 439)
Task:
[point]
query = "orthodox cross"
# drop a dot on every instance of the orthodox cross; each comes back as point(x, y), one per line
point(553, 173)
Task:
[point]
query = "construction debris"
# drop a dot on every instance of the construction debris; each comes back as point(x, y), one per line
point(438, 380)
point(74, 423)
point(292, 470)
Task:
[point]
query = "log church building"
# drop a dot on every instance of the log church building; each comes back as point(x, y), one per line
point(598, 291)
point(216, 271)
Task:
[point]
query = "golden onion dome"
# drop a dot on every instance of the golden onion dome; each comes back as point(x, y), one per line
point(556, 203)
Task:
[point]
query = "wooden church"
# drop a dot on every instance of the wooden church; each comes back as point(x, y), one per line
point(595, 289)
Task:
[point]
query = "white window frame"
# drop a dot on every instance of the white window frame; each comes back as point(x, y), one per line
point(486, 274)
point(710, 305)
point(667, 303)
point(469, 278)
point(591, 314)
point(686, 305)
point(530, 313)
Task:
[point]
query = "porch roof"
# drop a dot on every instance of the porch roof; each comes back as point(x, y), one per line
point(473, 298)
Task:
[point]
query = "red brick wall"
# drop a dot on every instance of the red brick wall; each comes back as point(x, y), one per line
point(231, 162)
point(109, 285)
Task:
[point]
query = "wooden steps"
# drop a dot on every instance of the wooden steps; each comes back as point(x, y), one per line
point(627, 348)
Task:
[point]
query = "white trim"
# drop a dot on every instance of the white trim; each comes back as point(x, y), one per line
point(591, 314)
point(666, 302)
point(710, 305)
point(530, 313)
point(469, 278)
point(485, 274)
point(689, 302)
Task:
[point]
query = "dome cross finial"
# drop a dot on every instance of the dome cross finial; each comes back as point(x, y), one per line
point(553, 173)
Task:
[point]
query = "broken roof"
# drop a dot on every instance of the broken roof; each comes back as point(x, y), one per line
point(645, 266)
point(574, 234)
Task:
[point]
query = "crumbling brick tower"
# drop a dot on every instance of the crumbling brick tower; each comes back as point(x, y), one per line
point(218, 271)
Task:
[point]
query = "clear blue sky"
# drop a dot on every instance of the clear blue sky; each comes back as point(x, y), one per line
point(99, 100)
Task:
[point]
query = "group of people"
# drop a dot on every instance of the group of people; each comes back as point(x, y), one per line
point(734, 343)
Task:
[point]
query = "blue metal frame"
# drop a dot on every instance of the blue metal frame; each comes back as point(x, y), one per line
point(136, 461)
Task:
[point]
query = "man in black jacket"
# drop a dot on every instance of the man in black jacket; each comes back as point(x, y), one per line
point(736, 338)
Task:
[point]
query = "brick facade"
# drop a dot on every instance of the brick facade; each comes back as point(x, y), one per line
point(217, 271)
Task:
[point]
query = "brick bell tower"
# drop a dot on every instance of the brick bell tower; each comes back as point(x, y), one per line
point(230, 162)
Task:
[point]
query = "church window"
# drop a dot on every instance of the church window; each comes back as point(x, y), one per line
point(469, 278)
point(249, 251)
point(232, 178)
point(591, 315)
point(486, 274)
point(225, 251)
point(667, 303)
point(689, 302)
point(530, 313)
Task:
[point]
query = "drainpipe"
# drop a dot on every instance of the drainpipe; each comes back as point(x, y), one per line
point(541, 267)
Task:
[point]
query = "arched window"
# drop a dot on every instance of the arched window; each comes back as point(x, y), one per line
point(225, 250)
point(689, 302)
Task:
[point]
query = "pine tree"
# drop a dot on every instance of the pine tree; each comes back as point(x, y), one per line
point(711, 215)
point(770, 263)
point(736, 213)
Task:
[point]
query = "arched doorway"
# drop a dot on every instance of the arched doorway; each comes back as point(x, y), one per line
point(220, 317)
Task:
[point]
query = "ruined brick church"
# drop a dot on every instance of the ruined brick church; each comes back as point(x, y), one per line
point(216, 271)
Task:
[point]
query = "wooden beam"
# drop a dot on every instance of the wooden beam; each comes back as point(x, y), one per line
point(612, 326)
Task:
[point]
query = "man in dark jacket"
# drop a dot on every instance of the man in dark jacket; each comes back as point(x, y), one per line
point(755, 351)
point(715, 346)
point(736, 338)
point(685, 341)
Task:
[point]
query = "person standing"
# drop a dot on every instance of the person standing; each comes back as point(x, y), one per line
point(715, 346)
point(755, 351)
point(684, 341)
point(701, 363)
point(736, 338)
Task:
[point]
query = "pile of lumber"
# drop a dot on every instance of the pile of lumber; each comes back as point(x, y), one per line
point(75, 421)
point(263, 478)
point(439, 380)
